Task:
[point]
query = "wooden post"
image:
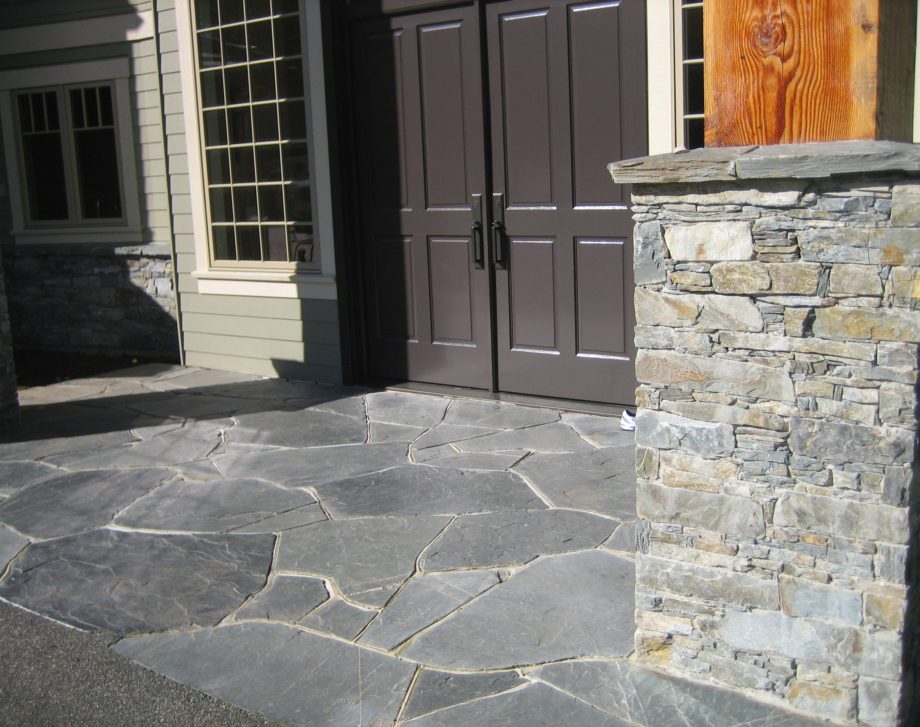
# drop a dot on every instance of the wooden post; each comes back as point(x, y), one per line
point(789, 71)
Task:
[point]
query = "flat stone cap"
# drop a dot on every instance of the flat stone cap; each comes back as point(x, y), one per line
point(787, 161)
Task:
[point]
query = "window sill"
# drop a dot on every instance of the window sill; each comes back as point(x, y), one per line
point(266, 285)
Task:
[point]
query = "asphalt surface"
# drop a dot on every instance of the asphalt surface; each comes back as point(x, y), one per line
point(54, 676)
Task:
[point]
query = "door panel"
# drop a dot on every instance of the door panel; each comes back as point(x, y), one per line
point(568, 78)
point(418, 92)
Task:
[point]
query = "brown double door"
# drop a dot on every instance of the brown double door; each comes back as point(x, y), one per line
point(496, 250)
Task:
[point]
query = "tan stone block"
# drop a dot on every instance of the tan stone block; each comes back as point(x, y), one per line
point(905, 205)
point(706, 411)
point(823, 699)
point(894, 246)
point(884, 324)
point(687, 280)
point(689, 480)
point(711, 241)
point(647, 462)
point(663, 623)
point(794, 278)
point(653, 649)
point(903, 287)
point(740, 277)
point(886, 609)
point(855, 280)
point(660, 309)
point(795, 320)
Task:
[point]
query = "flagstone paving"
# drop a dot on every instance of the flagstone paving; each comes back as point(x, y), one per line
point(330, 556)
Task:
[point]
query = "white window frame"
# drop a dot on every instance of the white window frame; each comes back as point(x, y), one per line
point(261, 279)
point(114, 71)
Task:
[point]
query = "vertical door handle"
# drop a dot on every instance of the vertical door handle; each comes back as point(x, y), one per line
point(498, 230)
point(479, 256)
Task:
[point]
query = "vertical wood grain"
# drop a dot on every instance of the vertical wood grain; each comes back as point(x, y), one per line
point(788, 71)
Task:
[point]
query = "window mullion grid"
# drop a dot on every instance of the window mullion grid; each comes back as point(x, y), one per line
point(68, 146)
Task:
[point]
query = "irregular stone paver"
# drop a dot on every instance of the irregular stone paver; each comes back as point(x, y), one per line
point(134, 582)
point(289, 675)
point(497, 414)
point(555, 437)
point(14, 476)
point(623, 538)
point(533, 618)
point(651, 699)
point(534, 706)
point(37, 442)
point(422, 601)
point(221, 506)
point(305, 428)
point(600, 430)
point(434, 690)
point(416, 410)
point(514, 538)
point(10, 545)
point(420, 490)
point(603, 481)
point(190, 406)
point(345, 403)
point(309, 466)
point(385, 432)
point(474, 461)
point(447, 433)
point(192, 442)
point(339, 618)
point(77, 501)
point(286, 598)
point(369, 558)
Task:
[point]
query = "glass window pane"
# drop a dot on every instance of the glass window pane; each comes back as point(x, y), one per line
point(285, 6)
point(105, 106)
point(694, 136)
point(231, 11)
point(76, 109)
point(287, 36)
point(268, 163)
point(301, 243)
point(212, 88)
point(218, 166)
point(240, 125)
point(296, 162)
point(297, 198)
point(693, 88)
point(209, 48)
point(293, 120)
point(221, 204)
point(257, 9)
point(25, 113)
point(290, 78)
point(242, 166)
point(237, 85)
point(234, 44)
point(262, 79)
point(97, 174)
point(51, 111)
point(693, 32)
point(205, 13)
point(274, 243)
point(215, 128)
point(38, 112)
point(265, 120)
point(224, 245)
point(44, 165)
point(260, 40)
point(91, 105)
point(244, 201)
point(271, 206)
point(248, 238)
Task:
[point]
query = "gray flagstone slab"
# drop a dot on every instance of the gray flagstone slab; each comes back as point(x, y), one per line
point(651, 699)
point(285, 598)
point(623, 538)
point(498, 414)
point(537, 705)
point(447, 433)
point(415, 410)
point(513, 538)
point(434, 690)
point(385, 432)
point(39, 442)
point(221, 506)
point(290, 675)
point(339, 618)
point(475, 460)
point(10, 545)
point(347, 403)
point(603, 431)
point(561, 607)
point(422, 601)
point(555, 437)
point(304, 428)
point(77, 501)
point(137, 582)
point(309, 466)
point(421, 490)
point(602, 481)
point(190, 406)
point(369, 558)
point(15, 476)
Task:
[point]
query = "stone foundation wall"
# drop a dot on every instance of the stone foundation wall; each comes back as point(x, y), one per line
point(777, 335)
point(100, 300)
point(9, 402)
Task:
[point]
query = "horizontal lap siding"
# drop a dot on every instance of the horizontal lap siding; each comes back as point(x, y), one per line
point(20, 13)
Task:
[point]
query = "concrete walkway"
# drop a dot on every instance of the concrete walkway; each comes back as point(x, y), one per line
point(328, 556)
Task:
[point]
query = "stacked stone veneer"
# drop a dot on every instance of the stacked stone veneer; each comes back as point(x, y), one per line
point(9, 401)
point(97, 300)
point(777, 334)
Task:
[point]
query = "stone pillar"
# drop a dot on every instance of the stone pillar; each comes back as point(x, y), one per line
point(9, 401)
point(777, 335)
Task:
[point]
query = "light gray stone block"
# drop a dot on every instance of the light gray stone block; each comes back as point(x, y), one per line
point(718, 586)
point(837, 516)
point(710, 241)
point(730, 514)
point(661, 430)
point(840, 443)
point(878, 701)
point(806, 598)
point(649, 252)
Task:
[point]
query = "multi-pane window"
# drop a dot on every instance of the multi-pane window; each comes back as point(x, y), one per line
point(691, 111)
point(254, 130)
point(70, 154)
